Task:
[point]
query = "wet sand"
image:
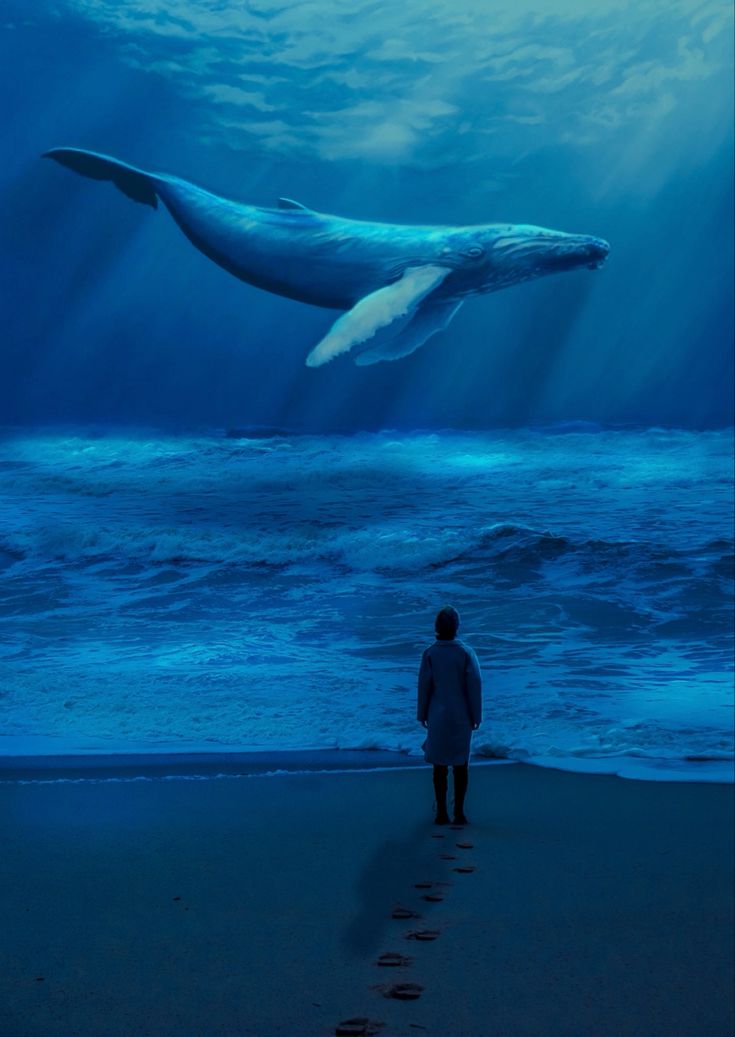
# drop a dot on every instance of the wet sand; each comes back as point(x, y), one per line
point(261, 905)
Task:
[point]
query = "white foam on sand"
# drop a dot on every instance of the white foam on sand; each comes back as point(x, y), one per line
point(36, 757)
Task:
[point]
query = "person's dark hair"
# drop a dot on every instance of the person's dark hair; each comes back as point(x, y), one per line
point(446, 623)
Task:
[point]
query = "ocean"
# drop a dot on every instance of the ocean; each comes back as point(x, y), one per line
point(264, 590)
point(210, 546)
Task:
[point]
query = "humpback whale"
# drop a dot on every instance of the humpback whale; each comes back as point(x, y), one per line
point(399, 284)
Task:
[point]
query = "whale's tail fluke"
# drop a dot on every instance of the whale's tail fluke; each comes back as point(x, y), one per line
point(134, 183)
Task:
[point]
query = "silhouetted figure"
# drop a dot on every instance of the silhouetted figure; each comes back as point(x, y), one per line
point(450, 707)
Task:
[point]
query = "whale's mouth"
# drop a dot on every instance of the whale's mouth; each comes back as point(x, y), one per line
point(550, 251)
point(599, 250)
point(566, 255)
point(529, 253)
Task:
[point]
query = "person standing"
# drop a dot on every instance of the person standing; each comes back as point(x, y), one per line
point(450, 708)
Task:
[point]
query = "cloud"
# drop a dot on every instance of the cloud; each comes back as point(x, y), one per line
point(235, 95)
point(383, 133)
point(401, 50)
point(392, 83)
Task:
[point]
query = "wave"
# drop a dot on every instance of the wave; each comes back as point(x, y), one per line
point(593, 571)
point(384, 548)
point(716, 770)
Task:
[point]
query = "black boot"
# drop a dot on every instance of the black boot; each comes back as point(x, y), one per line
point(461, 778)
point(440, 791)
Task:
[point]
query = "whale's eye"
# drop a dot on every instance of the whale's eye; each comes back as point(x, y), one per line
point(474, 251)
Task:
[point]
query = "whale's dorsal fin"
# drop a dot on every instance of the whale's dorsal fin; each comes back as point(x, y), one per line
point(380, 316)
point(289, 203)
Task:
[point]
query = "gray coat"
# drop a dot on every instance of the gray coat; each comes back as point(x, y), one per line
point(450, 699)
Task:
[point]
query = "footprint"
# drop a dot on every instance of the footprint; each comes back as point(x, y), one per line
point(465, 868)
point(426, 884)
point(465, 846)
point(447, 857)
point(433, 898)
point(393, 959)
point(404, 991)
point(360, 1026)
point(422, 934)
point(404, 912)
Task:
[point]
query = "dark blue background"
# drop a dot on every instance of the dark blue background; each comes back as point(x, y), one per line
point(110, 315)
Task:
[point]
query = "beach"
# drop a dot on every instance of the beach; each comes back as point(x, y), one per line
point(164, 900)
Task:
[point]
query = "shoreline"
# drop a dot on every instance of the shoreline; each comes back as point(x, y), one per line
point(206, 764)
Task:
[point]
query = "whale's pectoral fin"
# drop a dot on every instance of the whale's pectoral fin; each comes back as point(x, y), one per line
point(382, 314)
point(432, 316)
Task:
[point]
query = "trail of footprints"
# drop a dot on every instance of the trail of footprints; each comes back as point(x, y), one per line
point(432, 891)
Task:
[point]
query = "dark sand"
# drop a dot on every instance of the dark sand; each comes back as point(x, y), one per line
point(258, 906)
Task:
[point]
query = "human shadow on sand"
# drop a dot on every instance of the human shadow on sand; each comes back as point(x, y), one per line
point(388, 879)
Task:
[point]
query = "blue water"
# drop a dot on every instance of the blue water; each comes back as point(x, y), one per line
point(163, 589)
point(612, 119)
point(185, 592)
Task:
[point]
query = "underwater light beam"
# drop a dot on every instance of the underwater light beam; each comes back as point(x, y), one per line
point(399, 284)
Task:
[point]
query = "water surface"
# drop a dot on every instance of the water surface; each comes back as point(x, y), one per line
point(274, 592)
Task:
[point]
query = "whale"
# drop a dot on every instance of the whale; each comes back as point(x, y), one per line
point(398, 284)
